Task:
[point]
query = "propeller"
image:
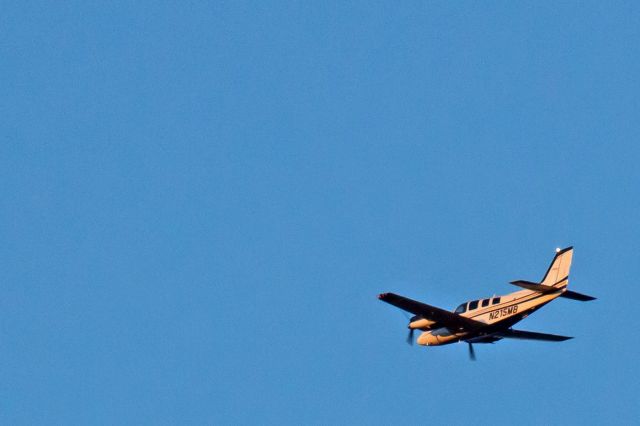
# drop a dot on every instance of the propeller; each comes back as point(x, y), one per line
point(472, 353)
point(410, 336)
point(411, 330)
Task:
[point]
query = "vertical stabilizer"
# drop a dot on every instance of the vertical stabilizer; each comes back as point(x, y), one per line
point(558, 273)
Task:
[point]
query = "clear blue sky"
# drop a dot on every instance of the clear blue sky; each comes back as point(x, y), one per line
point(201, 201)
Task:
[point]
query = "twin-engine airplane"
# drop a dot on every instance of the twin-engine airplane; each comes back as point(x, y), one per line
point(489, 320)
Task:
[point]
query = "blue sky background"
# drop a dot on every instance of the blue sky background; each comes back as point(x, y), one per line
point(201, 201)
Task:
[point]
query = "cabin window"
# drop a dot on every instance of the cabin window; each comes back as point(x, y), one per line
point(462, 308)
point(496, 300)
point(473, 305)
point(485, 303)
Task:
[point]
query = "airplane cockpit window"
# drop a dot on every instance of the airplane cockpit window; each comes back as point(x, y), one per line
point(462, 308)
point(473, 305)
point(485, 303)
point(496, 300)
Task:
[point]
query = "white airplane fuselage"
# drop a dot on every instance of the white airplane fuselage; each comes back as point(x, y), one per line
point(511, 309)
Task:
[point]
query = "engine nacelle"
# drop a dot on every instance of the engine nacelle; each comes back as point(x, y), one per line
point(419, 323)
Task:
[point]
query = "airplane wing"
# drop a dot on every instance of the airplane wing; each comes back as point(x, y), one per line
point(448, 319)
point(530, 335)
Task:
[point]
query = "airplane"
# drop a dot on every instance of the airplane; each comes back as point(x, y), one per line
point(490, 319)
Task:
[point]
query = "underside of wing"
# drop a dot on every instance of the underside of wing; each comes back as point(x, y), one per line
point(448, 319)
point(492, 338)
point(531, 335)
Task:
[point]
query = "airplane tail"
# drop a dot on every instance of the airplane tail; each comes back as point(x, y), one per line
point(558, 273)
point(557, 278)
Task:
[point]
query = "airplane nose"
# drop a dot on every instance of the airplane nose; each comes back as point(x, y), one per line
point(428, 339)
point(423, 339)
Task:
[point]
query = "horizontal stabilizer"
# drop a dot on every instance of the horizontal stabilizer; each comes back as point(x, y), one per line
point(577, 296)
point(530, 335)
point(535, 287)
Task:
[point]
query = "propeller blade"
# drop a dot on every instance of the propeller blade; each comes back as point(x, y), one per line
point(472, 353)
point(410, 337)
